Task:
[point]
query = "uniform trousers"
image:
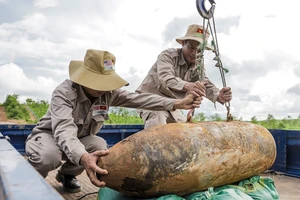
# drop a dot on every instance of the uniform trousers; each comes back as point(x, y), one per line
point(45, 155)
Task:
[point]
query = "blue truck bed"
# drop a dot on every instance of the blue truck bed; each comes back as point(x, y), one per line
point(15, 171)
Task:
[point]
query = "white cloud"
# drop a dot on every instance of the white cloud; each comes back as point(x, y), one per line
point(259, 46)
point(45, 3)
point(25, 87)
point(264, 26)
point(27, 38)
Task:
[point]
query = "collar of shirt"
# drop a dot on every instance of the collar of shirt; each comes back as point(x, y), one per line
point(81, 94)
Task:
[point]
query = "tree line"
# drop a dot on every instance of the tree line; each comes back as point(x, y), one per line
point(118, 115)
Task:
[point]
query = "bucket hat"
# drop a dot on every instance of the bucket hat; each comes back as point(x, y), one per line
point(195, 32)
point(97, 71)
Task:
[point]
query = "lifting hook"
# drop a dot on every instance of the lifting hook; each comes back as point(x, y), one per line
point(206, 14)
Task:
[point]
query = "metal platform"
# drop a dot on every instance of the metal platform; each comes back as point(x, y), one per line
point(88, 190)
point(287, 187)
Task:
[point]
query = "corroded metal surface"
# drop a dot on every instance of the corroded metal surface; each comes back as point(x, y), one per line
point(182, 158)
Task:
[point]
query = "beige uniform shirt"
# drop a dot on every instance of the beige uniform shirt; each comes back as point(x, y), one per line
point(169, 74)
point(71, 114)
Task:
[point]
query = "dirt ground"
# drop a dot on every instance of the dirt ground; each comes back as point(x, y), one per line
point(5, 120)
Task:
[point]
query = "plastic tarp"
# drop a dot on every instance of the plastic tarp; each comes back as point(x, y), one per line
point(254, 188)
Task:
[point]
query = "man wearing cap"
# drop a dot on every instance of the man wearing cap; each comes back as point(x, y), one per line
point(77, 111)
point(172, 75)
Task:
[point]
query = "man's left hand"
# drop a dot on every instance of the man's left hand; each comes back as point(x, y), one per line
point(225, 95)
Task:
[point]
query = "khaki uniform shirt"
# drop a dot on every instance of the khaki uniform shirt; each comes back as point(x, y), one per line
point(70, 115)
point(170, 73)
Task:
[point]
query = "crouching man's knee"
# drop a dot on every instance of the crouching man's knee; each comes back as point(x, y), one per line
point(43, 159)
point(94, 143)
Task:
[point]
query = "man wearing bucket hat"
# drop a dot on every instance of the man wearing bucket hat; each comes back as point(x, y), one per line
point(172, 75)
point(77, 111)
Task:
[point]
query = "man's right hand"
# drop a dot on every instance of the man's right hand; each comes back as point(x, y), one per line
point(189, 102)
point(89, 161)
point(197, 89)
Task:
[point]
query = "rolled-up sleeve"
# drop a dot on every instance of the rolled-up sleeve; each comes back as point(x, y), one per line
point(65, 129)
point(145, 101)
point(166, 73)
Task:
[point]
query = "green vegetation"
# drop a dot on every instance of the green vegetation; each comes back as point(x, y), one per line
point(272, 123)
point(118, 115)
point(15, 110)
point(39, 108)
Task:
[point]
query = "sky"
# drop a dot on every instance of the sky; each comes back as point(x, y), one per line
point(258, 42)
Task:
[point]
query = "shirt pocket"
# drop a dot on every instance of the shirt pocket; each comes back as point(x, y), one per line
point(96, 124)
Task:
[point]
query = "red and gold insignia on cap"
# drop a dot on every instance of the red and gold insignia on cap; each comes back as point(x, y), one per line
point(199, 30)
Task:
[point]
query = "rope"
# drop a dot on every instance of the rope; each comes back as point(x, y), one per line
point(217, 58)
